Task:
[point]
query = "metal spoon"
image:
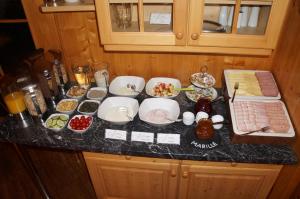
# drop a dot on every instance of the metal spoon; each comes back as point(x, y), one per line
point(125, 110)
point(133, 88)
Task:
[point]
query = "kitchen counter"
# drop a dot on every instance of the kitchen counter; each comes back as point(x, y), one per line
point(93, 140)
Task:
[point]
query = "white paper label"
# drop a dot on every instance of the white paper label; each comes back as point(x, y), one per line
point(160, 18)
point(163, 138)
point(115, 134)
point(142, 136)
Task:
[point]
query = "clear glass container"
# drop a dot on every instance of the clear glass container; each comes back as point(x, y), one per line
point(13, 98)
point(34, 100)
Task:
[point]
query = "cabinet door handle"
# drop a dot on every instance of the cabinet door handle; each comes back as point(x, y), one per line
point(185, 174)
point(195, 36)
point(179, 35)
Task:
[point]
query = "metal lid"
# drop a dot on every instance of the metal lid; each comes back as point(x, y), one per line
point(31, 87)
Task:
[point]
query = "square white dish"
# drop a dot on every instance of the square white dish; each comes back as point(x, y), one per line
point(290, 133)
point(51, 117)
point(230, 88)
point(88, 113)
point(153, 82)
point(66, 100)
point(101, 89)
point(159, 111)
point(112, 110)
point(118, 86)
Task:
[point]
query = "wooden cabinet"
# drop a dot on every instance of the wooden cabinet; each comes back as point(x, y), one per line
point(224, 180)
point(134, 177)
point(189, 25)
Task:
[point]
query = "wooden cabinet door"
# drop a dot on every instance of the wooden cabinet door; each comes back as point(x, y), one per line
point(271, 14)
point(132, 177)
point(128, 22)
point(222, 180)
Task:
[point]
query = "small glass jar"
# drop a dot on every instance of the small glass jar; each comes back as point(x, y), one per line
point(205, 105)
point(34, 100)
point(205, 129)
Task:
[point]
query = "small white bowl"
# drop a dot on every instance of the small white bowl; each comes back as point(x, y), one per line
point(118, 86)
point(70, 111)
point(53, 115)
point(110, 109)
point(217, 118)
point(168, 106)
point(79, 131)
point(156, 80)
point(88, 113)
point(201, 115)
point(76, 97)
point(97, 89)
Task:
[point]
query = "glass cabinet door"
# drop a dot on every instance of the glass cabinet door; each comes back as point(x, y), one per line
point(236, 23)
point(148, 22)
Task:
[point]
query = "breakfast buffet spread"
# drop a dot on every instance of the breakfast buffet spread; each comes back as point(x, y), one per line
point(257, 115)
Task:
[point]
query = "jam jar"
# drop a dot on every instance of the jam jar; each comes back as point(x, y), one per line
point(205, 105)
point(204, 129)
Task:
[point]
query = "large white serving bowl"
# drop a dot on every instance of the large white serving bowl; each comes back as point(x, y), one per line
point(118, 86)
point(151, 104)
point(156, 80)
point(111, 104)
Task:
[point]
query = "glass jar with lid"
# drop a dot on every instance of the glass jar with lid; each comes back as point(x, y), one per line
point(34, 100)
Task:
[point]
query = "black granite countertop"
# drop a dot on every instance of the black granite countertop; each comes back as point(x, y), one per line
point(93, 140)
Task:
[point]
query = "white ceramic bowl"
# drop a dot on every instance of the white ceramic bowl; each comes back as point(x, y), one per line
point(79, 131)
point(110, 110)
point(164, 111)
point(98, 89)
point(88, 113)
point(118, 86)
point(76, 97)
point(70, 111)
point(53, 115)
point(156, 80)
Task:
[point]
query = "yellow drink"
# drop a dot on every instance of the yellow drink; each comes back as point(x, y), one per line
point(15, 102)
point(82, 79)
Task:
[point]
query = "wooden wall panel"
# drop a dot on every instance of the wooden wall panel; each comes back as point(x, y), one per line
point(79, 38)
point(286, 67)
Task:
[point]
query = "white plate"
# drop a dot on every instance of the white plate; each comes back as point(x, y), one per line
point(98, 89)
point(230, 89)
point(169, 106)
point(53, 115)
point(110, 106)
point(156, 80)
point(290, 133)
point(195, 80)
point(80, 131)
point(201, 92)
point(70, 111)
point(119, 86)
point(88, 113)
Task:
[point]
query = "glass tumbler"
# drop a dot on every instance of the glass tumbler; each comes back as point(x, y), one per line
point(101, 73)
point(82, 75)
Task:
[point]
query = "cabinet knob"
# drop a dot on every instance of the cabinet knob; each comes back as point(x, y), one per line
point(195, 36)
point(179, 35)
point(127, 157)
point(185, 174)
point(173, 173)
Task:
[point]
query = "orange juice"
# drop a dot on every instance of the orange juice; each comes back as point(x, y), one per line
point(15, 102)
